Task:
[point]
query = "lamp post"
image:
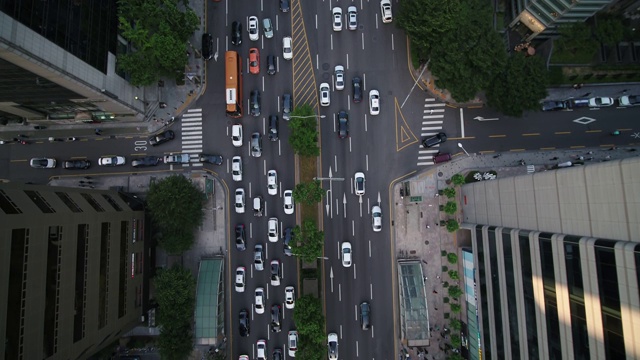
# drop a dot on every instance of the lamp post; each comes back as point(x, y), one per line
point(465, 151)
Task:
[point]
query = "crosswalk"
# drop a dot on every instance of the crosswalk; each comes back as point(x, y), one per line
point(432, 119)
point(192, 135)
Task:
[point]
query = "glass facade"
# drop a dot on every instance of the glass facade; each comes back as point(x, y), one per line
point(579, 333)
point(512, 309)
point(550, 296)
point(609, 299)
point(495, 285)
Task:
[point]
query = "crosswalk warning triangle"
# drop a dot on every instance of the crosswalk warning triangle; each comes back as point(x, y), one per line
point(404, 136)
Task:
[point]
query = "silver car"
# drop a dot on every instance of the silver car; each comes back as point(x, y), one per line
point(256, 144)
point(267, 27)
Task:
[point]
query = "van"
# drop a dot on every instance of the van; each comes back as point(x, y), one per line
point(441, 158)
point(207, 46)
point(268, 28)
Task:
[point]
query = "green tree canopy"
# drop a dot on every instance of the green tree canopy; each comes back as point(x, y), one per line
point(304, 131)
point(455, 341)
point(308, 241)
point(452, 225)
point(455, 308)
point(452, 258)
point(309, 320)
point(451, 207)
point(455, 324)
point(576, 43)
point(458, 179)
point(454, 292)
point(454, 275)
point(309, 193)
point(449, 192)
point(609, 30)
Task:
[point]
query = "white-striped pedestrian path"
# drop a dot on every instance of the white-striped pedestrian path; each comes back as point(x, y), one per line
point(432, 121)
point(192, 135)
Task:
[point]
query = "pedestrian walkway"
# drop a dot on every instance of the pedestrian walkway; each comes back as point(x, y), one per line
point(192, 135)
point(432, 122)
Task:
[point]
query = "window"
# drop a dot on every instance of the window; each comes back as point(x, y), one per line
point(66, 199)
point(8, 206)
point(94, 204)
point(40, 202)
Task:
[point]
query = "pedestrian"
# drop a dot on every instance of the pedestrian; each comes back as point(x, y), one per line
point(436, 310)
point(624, 91)
point(580, 85)
point(612, 148)
point(98, 131)
point(554, 158)
point(589, 158)
point(438, 277)
point(428, 227)
point(581, 157)
point(608, 157)
point(435, 292)
point(575, 87)
point(590, 152)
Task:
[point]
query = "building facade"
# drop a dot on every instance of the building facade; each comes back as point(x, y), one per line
point(71, 273)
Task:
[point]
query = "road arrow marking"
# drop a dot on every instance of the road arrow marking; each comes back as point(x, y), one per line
point(480, 118)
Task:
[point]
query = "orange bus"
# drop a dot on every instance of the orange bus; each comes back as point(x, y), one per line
point(233, 84)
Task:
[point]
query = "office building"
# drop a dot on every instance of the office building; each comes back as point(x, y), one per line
point(71, 270)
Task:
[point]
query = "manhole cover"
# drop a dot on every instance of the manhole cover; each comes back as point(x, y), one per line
point(326, 76)
point(326, 66)
point(426, 242)
point(440, 174)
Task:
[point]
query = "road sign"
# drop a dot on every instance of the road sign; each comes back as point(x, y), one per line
point(415, 199)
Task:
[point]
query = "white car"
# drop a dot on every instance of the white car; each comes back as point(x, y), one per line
point(352, 17)
point(600, 101)
point(236, 135)
point(337, 19)
point(358, 183)
point(243, 357)
point(261, 350)
point(374, 102)
point(272, 182)
point(289, 297)
point(240, 201)
point(346, 254)
point(236, 168)
point(324, 94)
point(111, 161)
point(332, 345)
point(376, 218)
point(252, 28)
point(288, 202)
point(292, 342)
point(287, 50)
point(272, 229)
point(385, 10)
point(259, 299)
point(629, 100)
point(43, 163)
point(240, 279)
point(339, 73)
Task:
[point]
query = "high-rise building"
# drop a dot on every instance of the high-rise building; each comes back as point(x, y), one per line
point(71, 270)
point(58, 63)
point(556, 264)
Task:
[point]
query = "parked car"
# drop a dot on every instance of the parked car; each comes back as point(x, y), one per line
point(346, 253)
point(357, 89)
point(207, 46)
point(271, 65)
point(339, 75)
point(211, 159)
point(245, 323)
point(343, 124)
point(365, 315)
point(239, 201)
point(275, 318)
point(267, 27)
point(374, 102)
point(292, 342)
point(376, 218)
point(146, 161)
point(358, 183)
point(352, 16)
point(273, 127)
point(254, 103)
point(272, 182)
point(289, 297)
point(287, 106)
point(111, 161)
point(43, 163)
point(287, 48)
point(252, 28)
point(236, 168)
point(254, 61)
point(256, 144)
point(177, 159)
point(553, 105)
point(76, 164)
point(240, 272)
point(385, 11)
point(288, 202)
point(258, 257)
point(275, 273)
point(241, 238)
point(236, 33)
point(259, 300)
point(324, 94)
point(600, 101)
point(337, 18)
point(434, 140)
point(629, 100)
point(236, 135)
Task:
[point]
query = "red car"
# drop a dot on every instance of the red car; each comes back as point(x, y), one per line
point(254, 61)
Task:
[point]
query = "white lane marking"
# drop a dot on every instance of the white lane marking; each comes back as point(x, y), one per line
point(339, 292)
point(356, 312)
point(366, 157)
point(371, 290)
point(354, 271)
point(369, 248)
point(435, 105)
point(353, 228)
point(462, 122)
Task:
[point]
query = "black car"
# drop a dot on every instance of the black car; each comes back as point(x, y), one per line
point(161, 138)
point(277, 354)
point(288, 236)
point(357, 89)
point(436, 139)
point(271, 65)
point(343, 125)
point(552, 105)
point(284, 5)
point(207, 46)
point(273, 128)
point(211, 159)
point(365, 316)
point(241, 238)
point(76, 164)
point(236, 33)
point(254, 102)
point(145, 161)
point(275, 318)
point(245, 323)
point(287, 105)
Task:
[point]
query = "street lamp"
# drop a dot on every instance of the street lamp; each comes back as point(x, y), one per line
point(308, 116)
point(465, 151)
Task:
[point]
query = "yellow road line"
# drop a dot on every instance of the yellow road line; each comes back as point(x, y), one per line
point(531, 134)
point(495, 136)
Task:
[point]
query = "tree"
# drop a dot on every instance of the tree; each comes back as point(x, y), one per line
point(308, 241)
point(454, 275)
point(519, 86)
point(452, 225)
point(452, 258)
point(451, 208)
point(309, 350)
point(455, 341)
point(455, 308)
point(304, 131)
point(309, 319)
point(454, 292)
point(576, 41)
point(458, 179)
point(455, 323)
point(308, 192)
point(450, 192)
point(609, 30)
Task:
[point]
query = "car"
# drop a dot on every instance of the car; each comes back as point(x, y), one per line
point(271, 65)
point(252, 28)
point(358, 183)
point(242, 357)
point(256, 144)
point(236, 33)
point(292, 339)
point(241, 238)
point(272, 182)
point(245, 323)
point(236, 135)
point(240, 201)
point(259, 300)
point(254, 61)
point(236, 168)
point(257, 206)
point(177, 159)
point(374, 102)
point(434, 140)
point(352, 17)
point(161, 138)
point(275, 318)
point(273, 128)
point(324, 94)
point(629, 100)
point(284, 5)
point(553, 105)
point(337, 18)
point(339, 75)
point(76, 164)
point(357, 89)
point(385, 10)
point(288, 236)
point(272, 229)
point(288, 202)
point(332, 345)
point(258, 257)
point(289, 297)
point(343, 124)
point(287, 106)
point(267, 27)
point(277, 354)
point(254, 103)
point(365, 315)
point(145, 161)
point(376, 218)
point(240, 271)
point(207, 46)
point(600, 101)
point(111, 161)
point(275, 273)
point(43, 163)
point(261, 350)
point(211, 159)
point(287, 50)
point(346, 254)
